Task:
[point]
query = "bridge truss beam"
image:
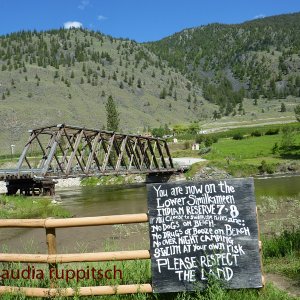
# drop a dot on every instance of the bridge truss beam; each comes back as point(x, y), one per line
point(62, 151)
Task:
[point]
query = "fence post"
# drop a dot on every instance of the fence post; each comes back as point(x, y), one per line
point(51, 244)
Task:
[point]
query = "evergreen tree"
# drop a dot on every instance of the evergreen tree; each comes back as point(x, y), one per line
point(139, 83)
point(163, 94)
point(112, 115)
point(188, 98)
point(282, 108)
point(297, 112)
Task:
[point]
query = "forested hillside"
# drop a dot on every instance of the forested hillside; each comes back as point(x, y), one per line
point(260, 58)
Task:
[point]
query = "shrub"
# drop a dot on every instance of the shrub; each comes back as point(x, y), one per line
point(256, 133)
point(288, 138)
point(187, 145)
point(200, 138)
point(204, 150)
point(272, 131)
point(238, 136)
point(266, 168)
point(208, 140)
point(275, 148)
point(214, 138)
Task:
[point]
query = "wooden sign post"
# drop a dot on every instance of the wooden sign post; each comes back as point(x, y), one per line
point(203, 229)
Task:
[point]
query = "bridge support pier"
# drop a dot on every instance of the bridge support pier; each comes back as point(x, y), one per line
point(31, 187)
point(164, 177)
point(158, 177)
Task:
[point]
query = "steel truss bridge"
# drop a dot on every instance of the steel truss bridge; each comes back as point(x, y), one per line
point(63, 151)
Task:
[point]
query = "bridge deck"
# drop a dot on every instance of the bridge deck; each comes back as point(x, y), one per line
point(14, 174)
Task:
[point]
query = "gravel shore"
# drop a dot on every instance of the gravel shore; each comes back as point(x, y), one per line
point(3, 188)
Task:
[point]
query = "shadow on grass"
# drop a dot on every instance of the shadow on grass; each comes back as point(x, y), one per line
point(291, 152)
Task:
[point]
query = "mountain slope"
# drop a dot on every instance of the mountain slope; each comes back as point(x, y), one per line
point(258, 58)
point(66, 76)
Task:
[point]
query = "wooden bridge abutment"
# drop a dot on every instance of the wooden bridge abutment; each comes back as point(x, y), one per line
point(31, 187)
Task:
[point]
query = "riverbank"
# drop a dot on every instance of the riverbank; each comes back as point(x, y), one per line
point(21, 207)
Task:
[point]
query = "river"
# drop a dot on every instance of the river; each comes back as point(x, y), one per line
point(102, 200)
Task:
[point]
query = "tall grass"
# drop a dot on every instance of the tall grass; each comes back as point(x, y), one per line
point(288, 243)
point(20, 207)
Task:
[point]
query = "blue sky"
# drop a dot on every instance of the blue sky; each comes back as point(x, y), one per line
point(140, 20)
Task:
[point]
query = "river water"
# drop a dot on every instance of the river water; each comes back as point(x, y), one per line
point(101, 201)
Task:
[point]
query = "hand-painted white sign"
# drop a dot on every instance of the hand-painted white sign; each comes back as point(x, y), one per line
point(202, 229)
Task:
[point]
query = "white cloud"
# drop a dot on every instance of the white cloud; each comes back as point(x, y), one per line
point(83, 4)
point(72, 24)
point(101, 18)
point(259, 16)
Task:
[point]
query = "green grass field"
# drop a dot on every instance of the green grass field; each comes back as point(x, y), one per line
point(245, 157)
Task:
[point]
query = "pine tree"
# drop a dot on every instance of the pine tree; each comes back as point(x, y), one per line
point(112, 115)
point(282, 108)
point(163, 94)
point(297, 112)
point(139, 83)
point(188, 98)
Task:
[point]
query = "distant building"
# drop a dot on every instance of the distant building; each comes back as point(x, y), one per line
point(166, 136)
point(195, 146)
point(147, 134)
point(202, 132)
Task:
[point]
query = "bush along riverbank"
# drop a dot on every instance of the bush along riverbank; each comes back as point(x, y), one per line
point(21, 207)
